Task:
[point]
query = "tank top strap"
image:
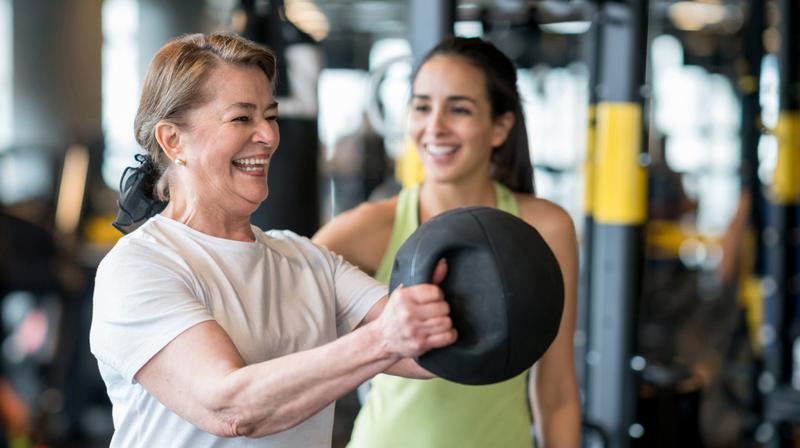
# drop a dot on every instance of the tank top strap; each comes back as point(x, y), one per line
point(406, 221)
point(505, 199)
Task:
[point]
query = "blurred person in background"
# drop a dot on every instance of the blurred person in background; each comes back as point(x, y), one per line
point(467, 123)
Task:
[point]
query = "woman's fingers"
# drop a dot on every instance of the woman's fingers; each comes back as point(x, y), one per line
point(416, 319)
point(438, 324)
point(423, 293)
point(440, 272)
point(442, 339)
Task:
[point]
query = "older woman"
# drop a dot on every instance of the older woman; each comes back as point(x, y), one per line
point(206, 328)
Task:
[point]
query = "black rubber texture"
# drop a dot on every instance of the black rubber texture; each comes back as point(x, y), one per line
point(504, 287)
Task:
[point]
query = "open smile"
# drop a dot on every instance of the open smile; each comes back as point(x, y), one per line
point(252, 165)
point(441, 150)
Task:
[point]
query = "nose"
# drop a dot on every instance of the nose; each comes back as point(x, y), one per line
point(267, 134)
point(436, 123)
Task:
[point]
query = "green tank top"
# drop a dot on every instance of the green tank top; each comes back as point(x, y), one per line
point(437, 413)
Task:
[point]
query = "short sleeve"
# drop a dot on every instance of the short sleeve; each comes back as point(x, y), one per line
point(356, 294)
point(143, 299)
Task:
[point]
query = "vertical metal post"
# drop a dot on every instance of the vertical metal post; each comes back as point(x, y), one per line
point(158, 22)
point(752, 199)
point(590, 49)
point(428, 22)
point(783, 232)
point(51, 41)
point(748, 85)
point(619, 214)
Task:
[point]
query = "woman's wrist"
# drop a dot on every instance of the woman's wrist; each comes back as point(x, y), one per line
point(376, 340)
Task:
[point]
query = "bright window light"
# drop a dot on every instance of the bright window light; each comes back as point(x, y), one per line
point(120, 86)
point(770, 91)
point(574, 27)
point(341, 104)
point(25, 174)
point(390, 87)
point(468, 28)
point(699, 115)
point(554, 103)
point(6, 73)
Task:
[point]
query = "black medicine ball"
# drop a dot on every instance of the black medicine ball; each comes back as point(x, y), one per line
point(504, 287)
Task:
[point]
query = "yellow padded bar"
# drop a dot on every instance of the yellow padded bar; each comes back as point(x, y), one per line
point(408, 167)
point(786, 182)
point(620, 179)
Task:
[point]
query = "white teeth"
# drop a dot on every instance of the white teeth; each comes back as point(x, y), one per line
point(438, 150)
point(250, 161)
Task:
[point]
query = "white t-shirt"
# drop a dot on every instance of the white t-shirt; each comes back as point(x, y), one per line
point(278, 295)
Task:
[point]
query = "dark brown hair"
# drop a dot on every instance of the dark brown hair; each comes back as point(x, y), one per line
point(511, 163)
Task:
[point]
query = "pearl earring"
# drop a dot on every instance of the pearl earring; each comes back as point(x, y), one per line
point(180, 162)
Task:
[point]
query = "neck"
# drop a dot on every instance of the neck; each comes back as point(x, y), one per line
point(436, 198)
point(210, 219)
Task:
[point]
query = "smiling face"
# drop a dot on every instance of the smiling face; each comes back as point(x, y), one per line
point(228, 142)
point(451, 120)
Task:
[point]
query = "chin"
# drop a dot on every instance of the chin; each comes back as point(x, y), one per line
point(252, 207)
point(253, 201)
point(439, 175)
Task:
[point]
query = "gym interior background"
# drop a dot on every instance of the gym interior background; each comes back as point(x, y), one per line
point(669, 129)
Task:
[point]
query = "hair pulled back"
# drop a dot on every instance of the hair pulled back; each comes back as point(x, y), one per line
point(511, 163)
point(176, 83)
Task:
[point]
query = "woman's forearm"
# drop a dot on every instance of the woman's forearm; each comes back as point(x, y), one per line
point(276, 395)
point(560, 427)
point(200, 375)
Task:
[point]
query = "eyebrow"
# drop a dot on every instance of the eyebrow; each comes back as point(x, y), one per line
point(449, 98)
point(250, 106)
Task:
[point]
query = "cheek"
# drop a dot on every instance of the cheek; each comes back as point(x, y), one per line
point(201, 144)
point(415, 128)
point(479, 135)
point(219, 148)
point(277, 131)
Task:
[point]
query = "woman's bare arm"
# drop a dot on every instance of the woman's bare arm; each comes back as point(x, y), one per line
point(360, 235)
point(554, 386)
point(201, 377)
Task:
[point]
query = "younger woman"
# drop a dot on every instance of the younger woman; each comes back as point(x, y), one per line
point(467, 124)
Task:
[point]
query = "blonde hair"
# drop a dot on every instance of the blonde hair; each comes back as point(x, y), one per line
point(175, 84)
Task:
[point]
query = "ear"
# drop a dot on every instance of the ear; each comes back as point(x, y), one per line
point(501, 127)
point(169, 138)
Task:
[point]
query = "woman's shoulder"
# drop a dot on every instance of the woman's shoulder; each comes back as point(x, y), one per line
point(143, 246)
point(361, 234)
point(375, 212)
point(546, 216)
point(367, 217)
